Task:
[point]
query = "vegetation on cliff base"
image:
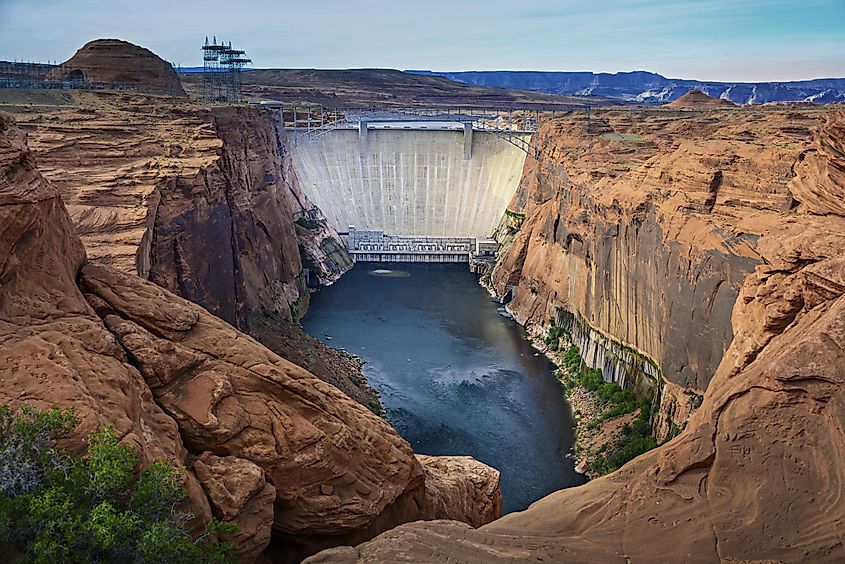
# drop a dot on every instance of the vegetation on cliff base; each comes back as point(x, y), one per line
point(637, 437)
point(516, 219)
point(60, 507)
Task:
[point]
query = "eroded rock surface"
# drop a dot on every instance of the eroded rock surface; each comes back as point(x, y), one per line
point(462, 489)
point(239, 494)
point(291, 459)
point(54, 350)
point(757, 474)
point(201, 202)
point(233, 397)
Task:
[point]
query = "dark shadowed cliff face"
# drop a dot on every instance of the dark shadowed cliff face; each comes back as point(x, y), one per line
point(199, 201)
point(645, 224)
point(225, 238)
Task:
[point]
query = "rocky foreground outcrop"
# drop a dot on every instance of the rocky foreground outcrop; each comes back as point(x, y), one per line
point(201, 202)
point(121, 64)
point(266, 444)
point(757, 474)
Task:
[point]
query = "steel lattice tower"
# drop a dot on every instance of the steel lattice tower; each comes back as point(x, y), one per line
point(221, 81)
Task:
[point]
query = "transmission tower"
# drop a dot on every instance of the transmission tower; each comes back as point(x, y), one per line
point(222, 65)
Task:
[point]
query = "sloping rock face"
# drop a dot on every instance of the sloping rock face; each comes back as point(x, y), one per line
point(112, 61)
point(757, 474)
point(646, 223)
point(201, 202)
point(267, 444)
point(233, 397)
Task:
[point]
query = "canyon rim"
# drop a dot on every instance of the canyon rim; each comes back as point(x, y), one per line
point(339, 315)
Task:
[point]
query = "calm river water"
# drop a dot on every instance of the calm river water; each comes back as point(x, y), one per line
point(455, 377)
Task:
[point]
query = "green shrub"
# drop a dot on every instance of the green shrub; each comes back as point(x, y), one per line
point(636, 441)
point(694, 399)
point(637, 437)
point(61, 507)
point(592, 379)
point(375, 406)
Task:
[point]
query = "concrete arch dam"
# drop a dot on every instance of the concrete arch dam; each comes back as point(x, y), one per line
point(413, 183)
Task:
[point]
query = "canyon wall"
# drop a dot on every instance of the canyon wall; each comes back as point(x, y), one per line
point(757, 475)
point(290, 459)
point(644, 225)
point(200, 201)
point(414, 182)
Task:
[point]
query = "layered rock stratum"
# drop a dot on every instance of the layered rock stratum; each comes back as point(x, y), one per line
point(200, 201)
point(121, 64)
point(291, 459)
point(651, 88)
point(368, 88)
point(757, 473)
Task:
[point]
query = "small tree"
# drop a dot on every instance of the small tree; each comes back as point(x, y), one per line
point(61, 507)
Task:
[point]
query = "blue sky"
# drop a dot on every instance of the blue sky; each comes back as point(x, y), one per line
point(737, 40)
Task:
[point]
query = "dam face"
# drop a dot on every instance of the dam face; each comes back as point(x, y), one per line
point(409, 181)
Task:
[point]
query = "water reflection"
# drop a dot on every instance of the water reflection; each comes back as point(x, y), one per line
point(455, 376)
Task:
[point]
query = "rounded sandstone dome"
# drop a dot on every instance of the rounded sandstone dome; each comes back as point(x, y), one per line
point(698, 99)
point(118, 62)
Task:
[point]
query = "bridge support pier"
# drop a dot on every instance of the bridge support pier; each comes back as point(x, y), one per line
point(467, 141)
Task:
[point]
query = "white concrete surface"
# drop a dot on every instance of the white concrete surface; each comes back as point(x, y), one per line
point(409, 181)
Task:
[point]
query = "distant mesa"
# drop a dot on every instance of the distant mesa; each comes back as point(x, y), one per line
point(117, 62)
point(698, 99)
point(641, 87)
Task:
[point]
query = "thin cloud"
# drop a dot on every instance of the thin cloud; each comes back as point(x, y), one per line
point(707, 39)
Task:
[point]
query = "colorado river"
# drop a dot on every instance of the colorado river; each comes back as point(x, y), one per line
point(455, 377)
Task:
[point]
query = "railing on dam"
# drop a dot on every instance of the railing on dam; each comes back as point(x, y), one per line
point(374, 245)
point(517, 126)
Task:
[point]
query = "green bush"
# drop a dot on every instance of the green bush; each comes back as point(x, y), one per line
point(61, 507)
point(637, 440)
point(637, 437)
point(552, 338)
point(375, 406)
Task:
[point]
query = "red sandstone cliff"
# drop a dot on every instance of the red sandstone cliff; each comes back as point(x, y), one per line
point(646, 223)
point(757, 474)
point(200, 201)
point(266, 443)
